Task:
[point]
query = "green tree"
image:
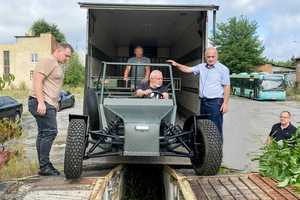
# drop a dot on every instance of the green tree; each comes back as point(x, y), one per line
point(238, 44)
point(290, 63)
point(74, 74)
point(41, 26)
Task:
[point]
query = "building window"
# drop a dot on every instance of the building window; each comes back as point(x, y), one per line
point(31, 74)
point(34, 57)
point(6, 62)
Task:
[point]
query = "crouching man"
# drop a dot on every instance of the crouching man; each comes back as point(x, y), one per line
point(282, 130)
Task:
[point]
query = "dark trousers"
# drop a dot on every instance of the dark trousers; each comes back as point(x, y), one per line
point(212, 108)
point(47, 130)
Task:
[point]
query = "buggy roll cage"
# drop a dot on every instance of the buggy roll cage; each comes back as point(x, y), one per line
point(116, 64)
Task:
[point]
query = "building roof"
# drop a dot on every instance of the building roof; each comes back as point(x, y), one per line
point(144, 5)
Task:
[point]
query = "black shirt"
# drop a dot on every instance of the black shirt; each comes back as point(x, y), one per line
point(278, 133)
point(145, 86)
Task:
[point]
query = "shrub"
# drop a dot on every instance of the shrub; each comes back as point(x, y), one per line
point(280, 160)
point(74, 74)
point(18, 165)
point(23, 86)
point(9, 130)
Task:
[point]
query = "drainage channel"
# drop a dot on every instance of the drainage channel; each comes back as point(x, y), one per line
point(135, 182)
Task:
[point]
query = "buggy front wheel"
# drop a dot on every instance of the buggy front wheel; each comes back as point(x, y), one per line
point(206, 144)
point(75, 148)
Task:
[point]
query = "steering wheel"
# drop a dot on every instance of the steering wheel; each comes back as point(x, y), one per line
point(156, 95)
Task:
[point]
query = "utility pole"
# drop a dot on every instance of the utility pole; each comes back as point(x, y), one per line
point(297, 72)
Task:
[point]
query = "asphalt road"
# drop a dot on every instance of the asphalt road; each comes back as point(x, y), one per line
point(246, 127)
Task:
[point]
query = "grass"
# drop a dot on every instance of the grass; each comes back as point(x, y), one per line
point(18, 166)
point(18, 94)
point(22, 94)
point(9, 130)
point(224, 170)
point(78, 90)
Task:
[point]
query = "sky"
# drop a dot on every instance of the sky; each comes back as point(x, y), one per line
point(278, 21)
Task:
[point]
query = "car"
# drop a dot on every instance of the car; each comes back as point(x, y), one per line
point(66, 100)
point(10, 108)
point(120, 124)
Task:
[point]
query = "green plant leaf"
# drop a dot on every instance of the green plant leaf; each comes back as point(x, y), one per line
point(284, 183)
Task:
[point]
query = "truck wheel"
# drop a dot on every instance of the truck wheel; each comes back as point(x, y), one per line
point(75, 148)
point(206, 145)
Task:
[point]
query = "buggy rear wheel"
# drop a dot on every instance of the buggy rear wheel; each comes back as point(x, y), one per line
point(93, 113)
point(75, 148)
point(206, 144)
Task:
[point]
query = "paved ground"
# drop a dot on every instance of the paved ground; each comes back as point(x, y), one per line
point(246, 127)
point(245, 130)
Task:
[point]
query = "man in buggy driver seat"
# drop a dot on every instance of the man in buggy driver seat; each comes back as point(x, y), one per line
point(153, 88)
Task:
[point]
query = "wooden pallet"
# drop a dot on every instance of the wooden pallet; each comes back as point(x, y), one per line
point(92, 186)
point(241, 187)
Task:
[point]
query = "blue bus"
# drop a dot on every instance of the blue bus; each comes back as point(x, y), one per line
point(258, 86)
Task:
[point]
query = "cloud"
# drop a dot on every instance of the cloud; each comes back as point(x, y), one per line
point(249, 6)
point(67, 15)
point(285, 22)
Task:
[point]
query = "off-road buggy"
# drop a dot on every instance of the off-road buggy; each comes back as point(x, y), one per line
point(120, 124)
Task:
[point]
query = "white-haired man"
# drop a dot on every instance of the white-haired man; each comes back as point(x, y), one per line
point(153, 87)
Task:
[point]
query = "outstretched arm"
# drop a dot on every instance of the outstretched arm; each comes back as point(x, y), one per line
point(183, 68)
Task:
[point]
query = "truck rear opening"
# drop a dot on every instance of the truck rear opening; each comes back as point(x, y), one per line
point(164, 31)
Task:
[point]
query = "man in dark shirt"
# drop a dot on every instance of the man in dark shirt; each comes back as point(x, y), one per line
point(283, 130)
point(154, 87)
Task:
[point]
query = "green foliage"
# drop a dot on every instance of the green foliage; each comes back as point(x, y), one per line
point(291, 63)
point(6, 79)
point(238, 44)
point(74, 74)
point(41, 26)
point(281, 161)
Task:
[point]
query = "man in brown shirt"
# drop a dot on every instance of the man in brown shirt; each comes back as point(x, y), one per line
point(43, 103)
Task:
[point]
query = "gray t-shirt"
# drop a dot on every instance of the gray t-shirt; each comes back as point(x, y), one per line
point(140, 73)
